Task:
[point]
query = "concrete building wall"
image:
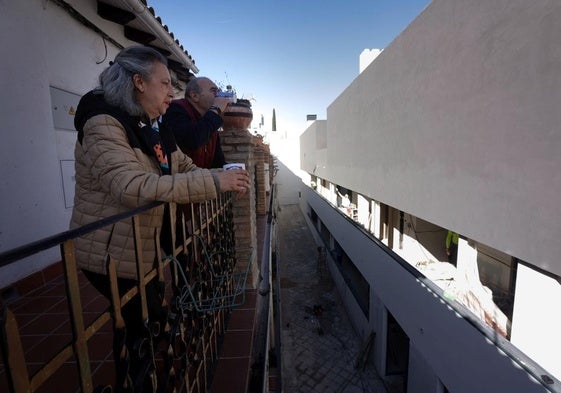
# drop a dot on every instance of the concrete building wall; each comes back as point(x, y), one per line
point(422, 378)
point(456, 122)
point(313, 142)
point(448, 344)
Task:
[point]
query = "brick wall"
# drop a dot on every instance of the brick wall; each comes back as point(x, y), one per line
point(260, 176)
point(241, 146)
point(238, 147)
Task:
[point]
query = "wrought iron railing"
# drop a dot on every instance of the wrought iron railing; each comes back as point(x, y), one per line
point(202, 280)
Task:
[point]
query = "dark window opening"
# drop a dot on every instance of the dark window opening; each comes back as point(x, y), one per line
point(358, 285)
point(397, 353)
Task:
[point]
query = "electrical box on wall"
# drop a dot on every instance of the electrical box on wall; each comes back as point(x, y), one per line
point(63, 105)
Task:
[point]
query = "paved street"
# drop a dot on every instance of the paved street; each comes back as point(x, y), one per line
point(319, 345)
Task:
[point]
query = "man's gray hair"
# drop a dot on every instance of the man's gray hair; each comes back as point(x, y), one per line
point(117, 83)
point(193, 86)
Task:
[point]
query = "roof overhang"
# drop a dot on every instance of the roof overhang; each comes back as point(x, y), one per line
point(143, 26)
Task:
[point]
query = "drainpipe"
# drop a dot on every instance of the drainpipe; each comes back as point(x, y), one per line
point(146, 17)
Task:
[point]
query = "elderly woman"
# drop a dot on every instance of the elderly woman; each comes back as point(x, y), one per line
point(125, 158)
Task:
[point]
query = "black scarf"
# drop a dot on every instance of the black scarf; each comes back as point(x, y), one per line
point(139, 131)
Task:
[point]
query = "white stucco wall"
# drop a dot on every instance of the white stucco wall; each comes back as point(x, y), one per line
point(313, 142)
point(457, 122)
point(43, 47)
point(445, 345)
point(537, 322)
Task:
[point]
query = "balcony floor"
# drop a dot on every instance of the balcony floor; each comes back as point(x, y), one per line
point(42, 318)
point(319, 348)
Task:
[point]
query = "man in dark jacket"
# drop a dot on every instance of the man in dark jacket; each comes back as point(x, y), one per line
point(195, 121)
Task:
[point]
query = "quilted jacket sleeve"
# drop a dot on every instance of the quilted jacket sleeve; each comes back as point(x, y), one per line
point(132, 177)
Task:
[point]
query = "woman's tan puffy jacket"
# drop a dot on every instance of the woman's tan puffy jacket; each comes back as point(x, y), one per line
point(111, 178)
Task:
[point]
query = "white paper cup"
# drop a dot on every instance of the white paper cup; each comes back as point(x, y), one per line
point(234, 165)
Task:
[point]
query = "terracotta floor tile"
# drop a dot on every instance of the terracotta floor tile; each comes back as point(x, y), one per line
point(60, 308)
point(24, 320)
point(241, 320)
point(53, 272)
point(44, 291)
point(88, 293)
point(100, 347)
point(30, 283)
point(231, 376)
point(44, 324)
point(55, 290)
point(103, 373)
point(90, 317)
point(37, 305)
point(64, 328)
point(30, 341)
point(97, 304)
point(250, 299)
point(237, 344)
point(44, 350)
point(65, 380)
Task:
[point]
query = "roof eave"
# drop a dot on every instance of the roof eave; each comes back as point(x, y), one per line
point(152, 23)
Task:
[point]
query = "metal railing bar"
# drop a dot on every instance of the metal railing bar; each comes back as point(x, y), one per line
point(29, 249)
point(195, 372)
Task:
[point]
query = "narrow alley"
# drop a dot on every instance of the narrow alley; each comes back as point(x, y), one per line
point(320, 350)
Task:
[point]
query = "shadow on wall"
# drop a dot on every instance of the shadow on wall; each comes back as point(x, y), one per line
point(288, 185)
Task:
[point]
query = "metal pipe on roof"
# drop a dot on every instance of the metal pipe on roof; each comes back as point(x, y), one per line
point(143, 13)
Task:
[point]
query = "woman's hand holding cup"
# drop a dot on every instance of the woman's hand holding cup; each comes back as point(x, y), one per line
point(234, 178)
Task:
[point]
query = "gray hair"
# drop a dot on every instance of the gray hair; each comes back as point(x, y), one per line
point(116, 81)
point(193, 86)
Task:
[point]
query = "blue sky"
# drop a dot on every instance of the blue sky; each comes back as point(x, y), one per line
point(295, 56)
